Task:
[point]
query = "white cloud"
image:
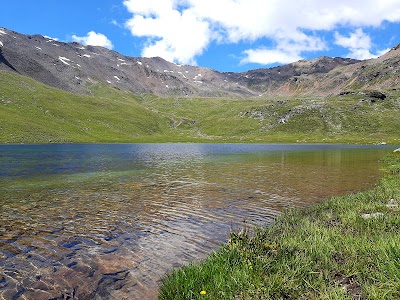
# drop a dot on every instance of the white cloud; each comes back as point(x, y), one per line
point(180, 30)
point(358, 43)
point(357, 40)
point(173, 35)
point(269, 56)
point(285, 51)
point(94, 39)
point(115, 23)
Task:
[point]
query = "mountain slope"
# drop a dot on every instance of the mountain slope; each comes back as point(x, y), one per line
point(31, 112)
point(65, 92)
point(72, 67)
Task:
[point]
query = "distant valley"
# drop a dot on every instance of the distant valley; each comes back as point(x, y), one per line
point(53, 91)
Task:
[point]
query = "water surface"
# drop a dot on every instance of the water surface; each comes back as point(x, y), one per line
point(107, 221)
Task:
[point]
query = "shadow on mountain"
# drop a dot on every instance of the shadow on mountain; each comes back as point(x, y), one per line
point(3, 60)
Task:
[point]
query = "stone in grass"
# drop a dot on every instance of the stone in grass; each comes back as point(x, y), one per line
point(393, 204)
point(373, 215)
point(397, 150)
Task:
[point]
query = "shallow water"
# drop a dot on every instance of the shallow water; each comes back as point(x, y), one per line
point(108, 221)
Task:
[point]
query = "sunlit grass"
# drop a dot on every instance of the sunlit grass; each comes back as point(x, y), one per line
point(32, 112)
point(344, 248)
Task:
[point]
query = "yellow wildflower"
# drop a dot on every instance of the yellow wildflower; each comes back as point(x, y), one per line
point(203, 292)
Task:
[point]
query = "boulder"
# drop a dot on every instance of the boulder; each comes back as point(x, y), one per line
point(376, 95)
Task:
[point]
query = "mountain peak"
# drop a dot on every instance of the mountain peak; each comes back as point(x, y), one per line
point(73, 67)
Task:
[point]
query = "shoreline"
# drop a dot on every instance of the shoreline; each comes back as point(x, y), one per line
point(346, 247)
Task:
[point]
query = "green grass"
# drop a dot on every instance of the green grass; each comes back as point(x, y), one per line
point(35, 113)
point(32, 112)
point(328, 251)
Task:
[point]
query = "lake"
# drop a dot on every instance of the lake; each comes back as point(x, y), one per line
point(108, 221)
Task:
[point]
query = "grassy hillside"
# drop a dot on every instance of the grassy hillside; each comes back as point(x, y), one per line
point(31, 112)
point(344, 248)
point(35, 113)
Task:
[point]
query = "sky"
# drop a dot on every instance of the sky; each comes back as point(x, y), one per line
point(225, 35)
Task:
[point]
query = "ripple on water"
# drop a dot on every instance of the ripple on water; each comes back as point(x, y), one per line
point(112, 230)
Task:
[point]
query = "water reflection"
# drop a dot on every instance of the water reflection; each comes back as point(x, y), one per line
point(107, 221)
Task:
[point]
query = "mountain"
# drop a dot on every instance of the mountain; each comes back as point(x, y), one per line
point(72, 66)
point(59, 92)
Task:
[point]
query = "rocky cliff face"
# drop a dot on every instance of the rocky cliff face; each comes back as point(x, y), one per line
point(72, 67)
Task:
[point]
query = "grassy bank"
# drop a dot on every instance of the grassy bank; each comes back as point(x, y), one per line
point(344, 248)
point(32, 112)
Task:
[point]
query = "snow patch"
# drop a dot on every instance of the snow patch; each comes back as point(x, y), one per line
point(38, 48)
point(166, 85)
point(1, 44)
point(182, 74)
point(78, 65)
point(198, 81)
point(120, 59)
point(122, 64)
point(2, 32)
point(50, 38)
point(77, 77)
point(82, 48)
point(139, 63)
point(86, 55)
point(108, 81)
point(116, 77)
point(56, 45)
point(64, 60)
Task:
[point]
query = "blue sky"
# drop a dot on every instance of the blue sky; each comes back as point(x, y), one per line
point(226, 35)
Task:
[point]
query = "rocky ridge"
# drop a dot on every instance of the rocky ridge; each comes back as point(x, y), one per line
point(72, 67)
